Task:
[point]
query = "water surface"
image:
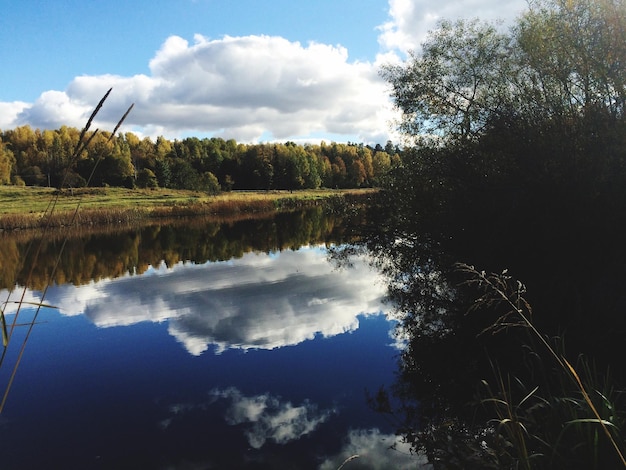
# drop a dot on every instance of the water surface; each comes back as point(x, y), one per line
point(260, 360)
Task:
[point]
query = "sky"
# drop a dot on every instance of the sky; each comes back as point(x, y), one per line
point(250, 70)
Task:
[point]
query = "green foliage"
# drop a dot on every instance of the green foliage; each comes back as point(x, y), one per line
point(519, 158)
point(163, 173)
point(42, 158)
point(7, 161)
point(450, 90)
point(147, 179)
point(503, 121)
point(210, 183)
point(17, 181)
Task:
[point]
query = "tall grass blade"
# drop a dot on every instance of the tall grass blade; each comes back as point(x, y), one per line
point(349, 459)
point(498, 290)
point(6, 335)
point(592, 407)
point(91, 118)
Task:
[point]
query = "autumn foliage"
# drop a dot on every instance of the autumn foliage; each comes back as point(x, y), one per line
point(40, 158)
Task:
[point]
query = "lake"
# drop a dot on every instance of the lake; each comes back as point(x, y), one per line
point(200, 345)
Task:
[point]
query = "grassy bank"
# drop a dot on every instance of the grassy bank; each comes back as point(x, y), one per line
point(25, 207)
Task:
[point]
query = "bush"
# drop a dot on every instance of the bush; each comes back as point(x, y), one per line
point(147, 179)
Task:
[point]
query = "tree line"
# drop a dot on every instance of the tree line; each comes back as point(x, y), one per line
point(43, 158)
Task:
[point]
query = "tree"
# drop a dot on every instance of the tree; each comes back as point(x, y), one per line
point(356, 174)
point(257, 164)
point(184, 176)
point(540, 107)
point(147, 179)
point(162, 147)
point(108, 162)
point(339, 172)
point(209, 183)
point(313, 179)
point(381, 163)
point(520, 156)
point(572, 53)
point(7, 160)
point(33, 176)
point(451, 88)
point(163, 173)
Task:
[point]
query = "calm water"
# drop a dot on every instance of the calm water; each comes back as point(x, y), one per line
point(256, 360)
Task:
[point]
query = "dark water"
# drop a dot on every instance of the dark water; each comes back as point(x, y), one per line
point(200, 346)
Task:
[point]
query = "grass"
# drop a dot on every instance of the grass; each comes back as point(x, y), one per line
point(23, 207)
point(573, 412)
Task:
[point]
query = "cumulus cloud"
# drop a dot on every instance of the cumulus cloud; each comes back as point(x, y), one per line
point(246, 88)
point(52, 106)
point(255, 302)
point(8, 113)
point(410, 20)
point(256, 87)
point(9, 300)
point(369, 449)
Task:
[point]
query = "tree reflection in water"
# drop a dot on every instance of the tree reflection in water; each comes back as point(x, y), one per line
point(440, 402)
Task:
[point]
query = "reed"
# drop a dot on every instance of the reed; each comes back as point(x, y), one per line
point(571, 415)
point(46, 222)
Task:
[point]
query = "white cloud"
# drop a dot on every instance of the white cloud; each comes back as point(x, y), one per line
point(10, 300)
point(54, 109)
point(373, 450)
point(255, 87)
point(255, 302)
point(235, 87)
point(9, 112)
point(410, 20)
point(76, 299)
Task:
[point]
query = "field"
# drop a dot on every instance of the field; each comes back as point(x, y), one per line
point(25, 207)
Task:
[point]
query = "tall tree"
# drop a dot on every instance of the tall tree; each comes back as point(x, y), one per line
point(450, 88)
point(7, 160)
point(573, 54)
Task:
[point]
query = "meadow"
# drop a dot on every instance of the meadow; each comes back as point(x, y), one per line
point(23, 207)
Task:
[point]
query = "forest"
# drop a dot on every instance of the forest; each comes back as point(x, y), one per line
point(42, 157)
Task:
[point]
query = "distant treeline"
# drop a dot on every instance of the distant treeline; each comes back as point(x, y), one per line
point(44, 158)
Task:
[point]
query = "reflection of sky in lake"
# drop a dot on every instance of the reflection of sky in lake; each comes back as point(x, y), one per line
point(257, 301)
point(286, 389)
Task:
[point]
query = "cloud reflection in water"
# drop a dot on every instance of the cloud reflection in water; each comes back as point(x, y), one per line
point(270, 419)
point(259, 301)
point(373, 450)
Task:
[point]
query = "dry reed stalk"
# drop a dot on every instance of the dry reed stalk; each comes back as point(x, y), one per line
point(47, 219)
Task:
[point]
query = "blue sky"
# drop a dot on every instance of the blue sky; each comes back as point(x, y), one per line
point(243, 69)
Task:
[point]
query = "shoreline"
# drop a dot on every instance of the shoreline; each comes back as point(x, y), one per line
point(26, 208)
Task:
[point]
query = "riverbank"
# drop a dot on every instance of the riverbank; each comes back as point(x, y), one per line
point(35, 207)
